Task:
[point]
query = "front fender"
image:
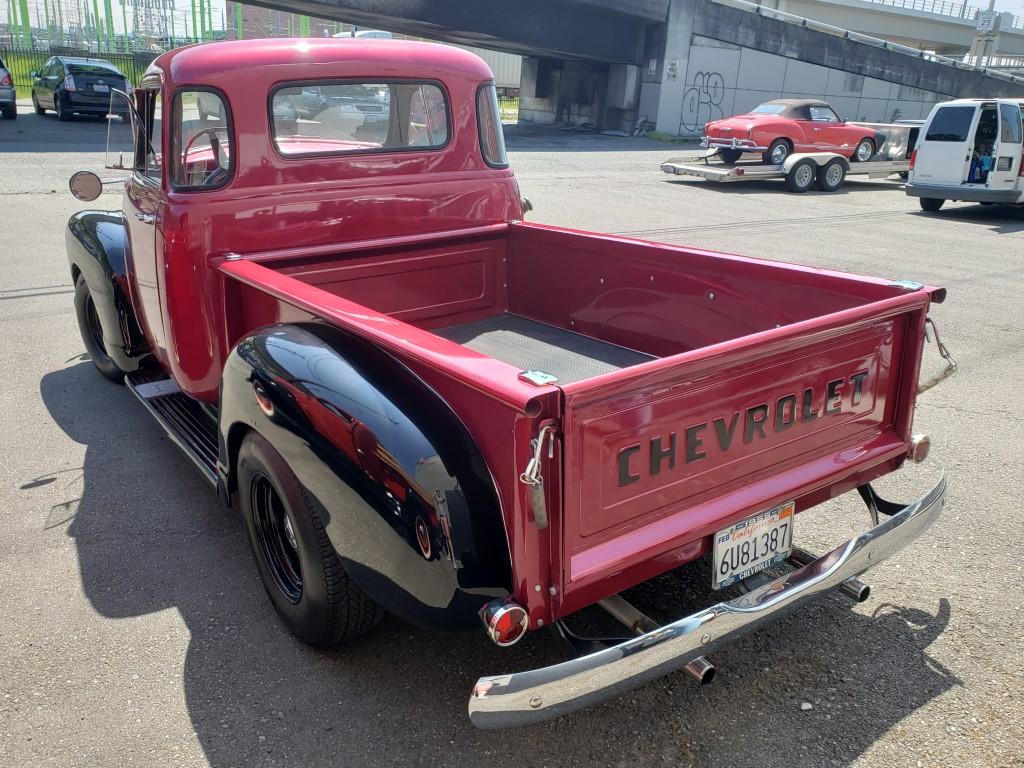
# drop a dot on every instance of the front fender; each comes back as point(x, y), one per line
point(405, 496)
point(97, 245)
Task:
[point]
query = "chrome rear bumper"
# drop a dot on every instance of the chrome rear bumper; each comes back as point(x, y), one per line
point(747, 145)
point(523, 698)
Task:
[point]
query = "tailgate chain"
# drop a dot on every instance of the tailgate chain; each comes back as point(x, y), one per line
point(532, 477)
point(951, 364)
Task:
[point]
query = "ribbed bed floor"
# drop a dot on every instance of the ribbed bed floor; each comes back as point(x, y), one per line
point(533, 346)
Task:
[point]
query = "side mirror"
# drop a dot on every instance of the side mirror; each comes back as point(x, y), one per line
point(33, 74)
point(86, 186)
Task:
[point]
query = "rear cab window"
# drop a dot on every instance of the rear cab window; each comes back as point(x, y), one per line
point(950, 124)
point(347, 117)
point(488, 116)
point(201, 136)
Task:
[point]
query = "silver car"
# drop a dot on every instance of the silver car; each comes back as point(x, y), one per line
point(8, 98)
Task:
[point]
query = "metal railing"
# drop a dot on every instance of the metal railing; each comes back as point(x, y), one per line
point(877, 42)
point(952, 10)
point(21, 62)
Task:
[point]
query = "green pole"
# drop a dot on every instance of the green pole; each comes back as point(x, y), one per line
point(124, 20)
point(209, 18)
point(60, 23)
point(239, 30)
point(195, 32)
point(108, 11)
point(26, 25)
point(304, 26)
point(202, 19)
point(172, 27)
point(46, 12)
point(97, 23)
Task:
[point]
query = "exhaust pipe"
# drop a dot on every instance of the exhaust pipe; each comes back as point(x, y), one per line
point(853, 588)
point(701, 670)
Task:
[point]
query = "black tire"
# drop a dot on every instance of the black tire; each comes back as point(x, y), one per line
point(777, 152)
point(92, 335)
point(299, 567)
point(801, 176)
point(35, 105)
point(930, 204)
point(62, 114)
point(831, 176)
point(865, 151)
point(10, 112)
point(730, 155)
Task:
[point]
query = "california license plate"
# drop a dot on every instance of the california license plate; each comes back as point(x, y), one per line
point(101, 88)
point(752, 545)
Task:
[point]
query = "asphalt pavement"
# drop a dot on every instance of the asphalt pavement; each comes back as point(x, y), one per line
point(134, 630)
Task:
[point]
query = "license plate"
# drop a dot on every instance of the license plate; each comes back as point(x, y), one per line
point(101, 89)
point(752, 545)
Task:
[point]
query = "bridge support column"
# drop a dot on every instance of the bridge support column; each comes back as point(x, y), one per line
point(678, 33)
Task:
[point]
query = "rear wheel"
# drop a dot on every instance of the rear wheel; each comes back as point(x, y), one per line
point(865, 151)
point(777, 152)
point(10, 112)
point(35, 105)
point(930, 204)
point(831, 176)
point(730, 155)
point(300, 569)
point(62, 114)
point(801, 176)
point(92, 333)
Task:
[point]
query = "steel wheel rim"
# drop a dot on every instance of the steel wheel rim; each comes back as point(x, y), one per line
point(804, 175)
point(864, 151)
point(276, 537)
point(779, 153)
point(92, 324)
point(833, 175)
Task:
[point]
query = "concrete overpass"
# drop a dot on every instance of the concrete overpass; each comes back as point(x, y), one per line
point(945, 27)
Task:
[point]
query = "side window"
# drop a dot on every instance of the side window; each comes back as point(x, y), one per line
point(1009, 124)
point(824, 115)
point(488, 117)
point(201, 134)
point(332, 118)
point(151, 137)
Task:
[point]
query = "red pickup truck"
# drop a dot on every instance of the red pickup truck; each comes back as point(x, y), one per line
point(321, 285)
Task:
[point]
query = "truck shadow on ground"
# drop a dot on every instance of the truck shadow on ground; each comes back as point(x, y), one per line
point(999, 219)
point(150, 536)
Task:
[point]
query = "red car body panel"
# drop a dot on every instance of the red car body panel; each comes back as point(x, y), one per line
point(389, 245)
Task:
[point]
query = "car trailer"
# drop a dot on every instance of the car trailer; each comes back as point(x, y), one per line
point(824, 170)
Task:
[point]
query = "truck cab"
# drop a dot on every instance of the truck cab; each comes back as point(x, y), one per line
point(321, 285)
point(970, 150)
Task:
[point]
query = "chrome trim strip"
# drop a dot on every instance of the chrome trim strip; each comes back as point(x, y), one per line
point(747, 145)
point(524, 698)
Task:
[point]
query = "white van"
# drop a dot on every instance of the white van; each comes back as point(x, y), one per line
point(971, 150)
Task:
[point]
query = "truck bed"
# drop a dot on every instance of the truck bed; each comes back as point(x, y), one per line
point(532, 346)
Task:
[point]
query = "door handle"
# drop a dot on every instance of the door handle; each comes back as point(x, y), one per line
point(146, 218)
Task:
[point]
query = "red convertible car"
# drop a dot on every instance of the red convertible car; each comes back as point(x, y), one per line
point(780, 127)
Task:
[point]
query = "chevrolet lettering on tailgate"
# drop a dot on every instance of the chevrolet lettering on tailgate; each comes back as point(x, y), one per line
point(748, 425)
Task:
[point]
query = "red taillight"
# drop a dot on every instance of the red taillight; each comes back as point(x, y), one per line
point(69, 83)
point(505, 621)
point(7, 80)
point(913, 159)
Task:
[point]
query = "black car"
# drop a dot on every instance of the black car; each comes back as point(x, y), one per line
point(69, 85)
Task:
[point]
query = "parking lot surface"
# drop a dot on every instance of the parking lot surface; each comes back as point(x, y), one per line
point(135, 631)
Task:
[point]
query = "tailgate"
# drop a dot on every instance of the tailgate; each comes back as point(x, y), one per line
point(661, 455)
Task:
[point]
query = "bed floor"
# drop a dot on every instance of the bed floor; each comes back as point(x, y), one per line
point(533, 346)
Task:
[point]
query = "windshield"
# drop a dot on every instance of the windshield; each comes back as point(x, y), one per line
point(768, 109)
point(93, 69)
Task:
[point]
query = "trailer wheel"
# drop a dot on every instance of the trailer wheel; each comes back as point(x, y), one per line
point(730, 155)
point(92, 333)
point(831, 177)
point(801, 176)
point(300, 569)
point(930, 204)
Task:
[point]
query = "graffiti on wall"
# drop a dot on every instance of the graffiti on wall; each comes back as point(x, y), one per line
point(702, 101)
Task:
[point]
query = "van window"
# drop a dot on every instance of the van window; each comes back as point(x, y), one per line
point(1009, 124)
point(950, 124)
point(331, 118)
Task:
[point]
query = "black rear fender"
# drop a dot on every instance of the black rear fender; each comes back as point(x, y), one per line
point(405, 496)
point(97, 244)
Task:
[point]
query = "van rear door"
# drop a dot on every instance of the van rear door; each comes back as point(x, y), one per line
point(944, 153)
point(1006, 154)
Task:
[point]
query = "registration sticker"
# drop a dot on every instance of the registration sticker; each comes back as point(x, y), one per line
point(753, 544)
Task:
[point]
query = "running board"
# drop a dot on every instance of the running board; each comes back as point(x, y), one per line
point(186, 422)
